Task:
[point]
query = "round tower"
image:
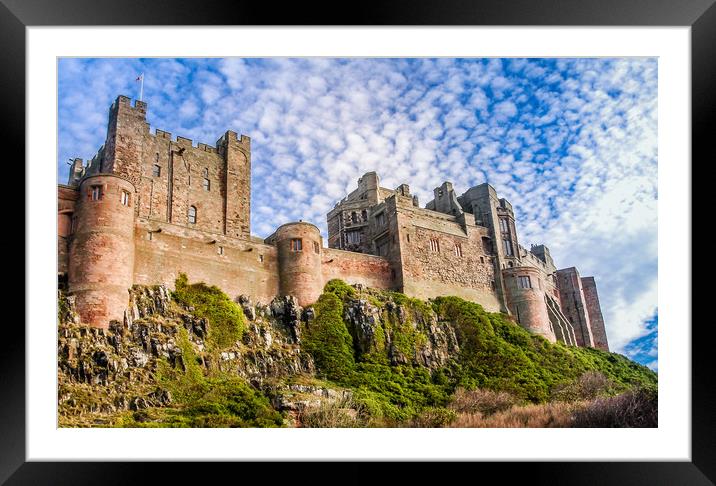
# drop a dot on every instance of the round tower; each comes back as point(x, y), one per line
point(526, 300)
point(299, 261)
point(101, 260)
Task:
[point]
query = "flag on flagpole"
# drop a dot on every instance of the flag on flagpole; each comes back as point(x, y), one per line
point(141, 85)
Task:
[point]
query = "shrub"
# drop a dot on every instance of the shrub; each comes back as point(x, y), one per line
point(343, 413)
point(486, 402)
point(588, 386)
point(634, 408)
point(225, 317)
point(434, 418)
point(327, 339)
point(339, 288)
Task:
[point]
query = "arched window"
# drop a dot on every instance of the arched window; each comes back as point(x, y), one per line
point(354, 217)
point(192, 214)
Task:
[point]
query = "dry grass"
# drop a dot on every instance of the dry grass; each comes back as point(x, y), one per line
point(588, 386)
point(556, 414)
point(636, 408)
point(332, 414)
point(485, 402)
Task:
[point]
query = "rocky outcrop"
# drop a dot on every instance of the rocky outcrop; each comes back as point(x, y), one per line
point(430, 343)
point(115, 369)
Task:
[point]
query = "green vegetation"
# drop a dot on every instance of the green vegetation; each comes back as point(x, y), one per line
point(502, 375)
point(213, 399)
point(200, 401)
point(495, 355)
point(226, 319)
point(328, 339)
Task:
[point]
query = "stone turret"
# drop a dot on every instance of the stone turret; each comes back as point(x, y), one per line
point(299, 261)
point(101, 262)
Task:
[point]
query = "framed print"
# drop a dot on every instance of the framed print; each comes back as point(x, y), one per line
point(312, 274)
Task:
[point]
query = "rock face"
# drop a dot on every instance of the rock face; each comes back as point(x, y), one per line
point(107, 370)
point(374, 329)
point(114, 369)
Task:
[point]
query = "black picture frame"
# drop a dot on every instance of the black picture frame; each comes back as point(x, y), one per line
point(700, 15)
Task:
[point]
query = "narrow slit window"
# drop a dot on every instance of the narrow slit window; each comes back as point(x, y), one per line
point(207, 184)
point(220, 250)
point(316, 247)
point(458, 250)
point(192, 214)
point(508, 247)
point(157, 170)
point(96, 193)
point(125, 198)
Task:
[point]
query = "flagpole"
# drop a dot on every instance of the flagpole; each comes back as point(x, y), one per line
point(141, 88)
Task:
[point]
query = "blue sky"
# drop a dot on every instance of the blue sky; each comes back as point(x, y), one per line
point(571, 143)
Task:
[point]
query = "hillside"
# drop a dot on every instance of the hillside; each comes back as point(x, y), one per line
point(357, 357)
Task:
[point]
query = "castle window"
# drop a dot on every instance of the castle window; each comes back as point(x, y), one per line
point(220, 250)
point(353, 237)
point(96, 193)
point(487, 245)
point(458, 250)
point(364, 215)
point(125, 198)
point(205, 172)
point(354, 217)
point(380, 219)
point(316, 247)
point(261, 258)
point(492, 284)
point(434, 245)
point(192, 214)
point(523, 282)
point(503, 225)
point(296, 244)
point(156, 170)
point(407, 237)
point(207, 184)
point(482, 259)
point(508, 247)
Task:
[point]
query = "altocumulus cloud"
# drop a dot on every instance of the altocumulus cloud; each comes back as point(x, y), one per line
point(570, 142)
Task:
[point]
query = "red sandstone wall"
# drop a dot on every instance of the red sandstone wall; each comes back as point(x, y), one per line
point(299, 270)
point(573, 305)
point(66, 199)
point(102, 252)
point(428, 273)
point(245, 267)
point(357, 268)
point(596, 320)
point(527, 305)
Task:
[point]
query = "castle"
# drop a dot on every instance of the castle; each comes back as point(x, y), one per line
point(147, 208)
